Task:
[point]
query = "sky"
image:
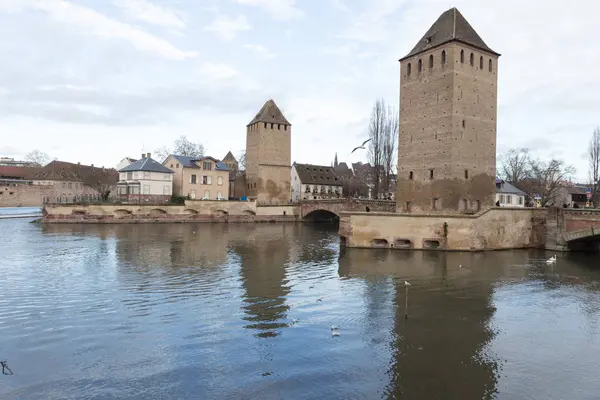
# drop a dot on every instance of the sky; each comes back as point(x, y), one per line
point(93, 81)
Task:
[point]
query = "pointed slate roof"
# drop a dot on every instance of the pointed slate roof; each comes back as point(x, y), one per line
point(229, 157)
point(450, 26)
point(270, 113)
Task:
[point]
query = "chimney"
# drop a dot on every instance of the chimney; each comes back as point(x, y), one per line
point(92, 165)
point(148, 155)
point(143, 156)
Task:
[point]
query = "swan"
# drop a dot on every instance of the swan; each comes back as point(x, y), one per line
point(551, 260)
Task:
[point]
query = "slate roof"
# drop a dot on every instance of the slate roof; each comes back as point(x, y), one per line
point(450, 26)
point(229, 157)
point(310, 174)
point(270, 113)
point(507, 188)
point(146, 164)
point(190, 162)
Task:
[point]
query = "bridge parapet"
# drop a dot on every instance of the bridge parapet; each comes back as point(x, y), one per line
point(336, 206)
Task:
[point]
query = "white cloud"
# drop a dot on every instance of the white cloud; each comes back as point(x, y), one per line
point(218, 71)
point(227, 28)
point(147, 11)
point(343, 50)
point(261, 50)
point(282, 10)
point(92, 22)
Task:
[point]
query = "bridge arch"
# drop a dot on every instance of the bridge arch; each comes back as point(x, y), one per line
point(321, 215)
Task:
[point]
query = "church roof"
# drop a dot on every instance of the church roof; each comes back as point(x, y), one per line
point(229, 157)
point(450, 26)
point(270, 113)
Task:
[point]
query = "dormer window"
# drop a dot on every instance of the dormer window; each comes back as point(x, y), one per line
point(428, 39)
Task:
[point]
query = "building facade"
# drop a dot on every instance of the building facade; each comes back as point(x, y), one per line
point(145, 180)
point(508, 195)
point(447, 138)
point(268, 156)
point(314, 182)
point(203, 178)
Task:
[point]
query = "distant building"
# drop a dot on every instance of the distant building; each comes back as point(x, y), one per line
point(314, 182)
point(203, 178)
point(573, 195)
point(125, 162)
point(509, 195)
point(11, 162)
point(145, 180)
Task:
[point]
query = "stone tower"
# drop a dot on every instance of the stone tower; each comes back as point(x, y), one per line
point(447, 138)
point(268, 156)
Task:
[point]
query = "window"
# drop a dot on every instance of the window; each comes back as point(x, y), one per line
point(435, 203)
point(193, 179)
point(431, 61)
point(177, 165)
point(207, 165)
point(210, 180)
point(172, 166)
point(70, 185)
point(481, 62)
point(219, 195)
point(490, 65)
point(207, 194)
point(464, 123)
point(167, 177)
point(430, 174)
point(420, 65)
point(465, 204)
point(265, 125)
point(146, 174)
point(205, 180)
point(408, 69)
point(135, 190)
point(271, 126)
point(410, 175)
point(129, 176)
point(166, 190)
point(146, 189)
point(501, 199)
point(508, 199)
point(220, 180)
point(520, 200)
point(471, 59)
point(443, 57)
point(407, 206)
point(462, 56)
point(64, 185)
point(466, 174)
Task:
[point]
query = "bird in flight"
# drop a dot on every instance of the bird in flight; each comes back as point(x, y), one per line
point(362, 146)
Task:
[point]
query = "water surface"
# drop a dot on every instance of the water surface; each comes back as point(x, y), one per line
point(207, 311)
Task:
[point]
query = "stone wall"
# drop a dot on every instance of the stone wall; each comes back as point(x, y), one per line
point(338, 206)
point(23, 194)
point(497, 228)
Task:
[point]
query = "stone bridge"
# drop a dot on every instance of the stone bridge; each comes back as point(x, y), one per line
point(320, 209)
point(573, 229)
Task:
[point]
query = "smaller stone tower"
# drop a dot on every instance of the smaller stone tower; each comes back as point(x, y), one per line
point(269, 156)
point(447, 138)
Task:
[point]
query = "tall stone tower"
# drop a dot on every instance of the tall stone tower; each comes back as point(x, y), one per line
point(268, 156)
point(447, 138)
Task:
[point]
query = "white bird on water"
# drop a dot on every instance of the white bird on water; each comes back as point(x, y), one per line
point(335, 331)
point(551, 260)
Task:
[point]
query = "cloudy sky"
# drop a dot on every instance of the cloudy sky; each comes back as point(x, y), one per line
point(96, 80)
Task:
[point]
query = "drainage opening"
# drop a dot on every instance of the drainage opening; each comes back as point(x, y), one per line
point(379, 243)
point(431, 244)
point(403, 244)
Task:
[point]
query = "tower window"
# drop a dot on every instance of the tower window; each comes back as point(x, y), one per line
point(490, 65)
point(407, 206)
point(466, 174)
point(443, 57)
point(471, 59)
point(410, 175)
point(431, 61)
point(285, 127)
point(278, 127)
point(408, 69)
point(420, 65)
point(462, 56)
point(463, 123)
point(430, 174)
point(271, 126)
point(481, 62)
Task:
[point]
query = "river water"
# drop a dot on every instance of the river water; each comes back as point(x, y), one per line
point(214, 311)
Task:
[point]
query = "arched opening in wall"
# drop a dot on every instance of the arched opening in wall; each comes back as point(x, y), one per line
point(157, 212)
point(122, 213)
point(471, 59)
point(431, 61)
point(220, 212)
point(490, 65)
point(78, 213)
point(380, 243)
point(403, 244)
point(322, 216)
point(419, 65)
point(481, 62)
point(408, 67)
point(462, 56)
point(443, 57)
point(431, 244)
point(464, 205)
point(190, 211)
point(248, 212)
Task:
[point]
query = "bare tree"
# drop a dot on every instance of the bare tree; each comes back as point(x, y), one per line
point(377, 132)
point(181, 147)
point(38, 157)
point(515, 165)
point(242, 161)
point(546, 179)
point(390, 146)
point(594, 168)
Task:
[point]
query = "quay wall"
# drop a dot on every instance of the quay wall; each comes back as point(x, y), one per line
point(191, 211)
point(492, 229)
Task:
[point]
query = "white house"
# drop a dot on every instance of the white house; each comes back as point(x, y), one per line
point(145, 180)
point(508, 196)
point(314, 182)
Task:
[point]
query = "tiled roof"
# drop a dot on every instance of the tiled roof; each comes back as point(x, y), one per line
point(66, 171)
point(146, 164)
point(317, 175)
point(12, 172)
point(190, 162)
point(270, 113)
point(450, 26)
